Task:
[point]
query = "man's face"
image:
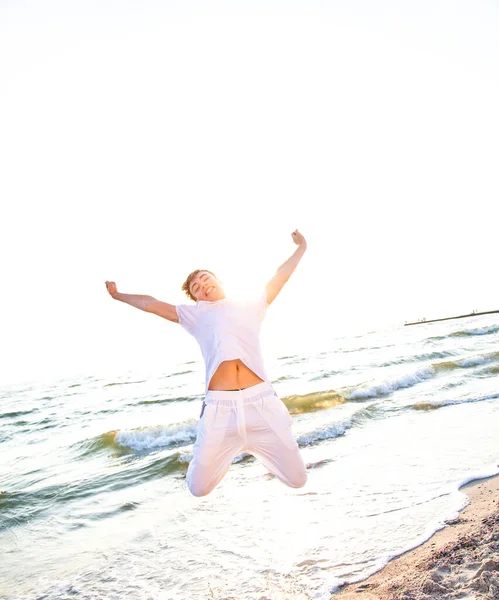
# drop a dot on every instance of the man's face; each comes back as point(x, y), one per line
point(205, 286)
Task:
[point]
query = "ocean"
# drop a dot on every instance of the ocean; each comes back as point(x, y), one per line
point(93, 502)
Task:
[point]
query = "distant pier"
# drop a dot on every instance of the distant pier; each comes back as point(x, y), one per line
point(473, 314)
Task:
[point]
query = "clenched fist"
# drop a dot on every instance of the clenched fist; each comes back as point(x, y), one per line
point(111, 288)
point(298, 238)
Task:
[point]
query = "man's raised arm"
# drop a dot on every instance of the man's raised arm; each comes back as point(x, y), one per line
point(145, 303)
point(284, 272)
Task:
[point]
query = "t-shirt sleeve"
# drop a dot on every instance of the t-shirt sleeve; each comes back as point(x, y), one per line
point(261, 304)
point(187, 317)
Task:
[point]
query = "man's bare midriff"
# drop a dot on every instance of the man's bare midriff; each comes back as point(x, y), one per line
point(233, 375)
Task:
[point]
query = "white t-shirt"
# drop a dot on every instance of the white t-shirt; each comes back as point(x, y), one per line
point(226, 330)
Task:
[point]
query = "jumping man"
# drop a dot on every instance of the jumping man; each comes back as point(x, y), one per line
point(241, 411)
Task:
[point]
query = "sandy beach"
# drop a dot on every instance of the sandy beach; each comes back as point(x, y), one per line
point(459, 561)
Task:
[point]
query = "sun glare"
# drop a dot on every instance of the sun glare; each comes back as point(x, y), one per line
point(244, 286)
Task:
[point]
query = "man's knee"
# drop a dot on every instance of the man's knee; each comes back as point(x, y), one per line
point(198, 490)
point(298, 480)
point(198, 486)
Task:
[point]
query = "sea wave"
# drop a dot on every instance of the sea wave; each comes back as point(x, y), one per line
point(104, 441)
point(413, 358)
point(18, 507)
point(435, 404)
point(298, 404)
point(337, 428)
point(324, 375)
point(177, 373)
point(161, 436)
point(163, 400)
point(293, 360)
point(465, 363)
point(113, 383)
point(468, 332)
point(388, 386)
point(17, 413)
point(186, 372)
point(327, 432)
point(143, 439)
point(152, 438)
point(140, 439)
point(477, 331)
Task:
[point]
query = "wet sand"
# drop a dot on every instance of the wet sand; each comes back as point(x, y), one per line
point(460, 561)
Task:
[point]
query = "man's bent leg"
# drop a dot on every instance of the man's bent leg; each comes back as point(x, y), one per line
point(203, 474)
point(271, 440)
point(214, 450)
point(285, 463)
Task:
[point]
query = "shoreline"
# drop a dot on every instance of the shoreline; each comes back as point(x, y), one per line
point(459, 561)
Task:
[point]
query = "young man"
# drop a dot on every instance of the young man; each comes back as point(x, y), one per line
point(241, 411)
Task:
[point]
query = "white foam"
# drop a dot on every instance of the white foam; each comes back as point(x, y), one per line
point(184, 457)
point(387, 387)
point(473, 361)
point(485, 473)
point(331, 430)
point(324, 433)
point(483, 330)
point(148, 438)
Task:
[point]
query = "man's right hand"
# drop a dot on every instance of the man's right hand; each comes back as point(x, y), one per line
point(111, 288)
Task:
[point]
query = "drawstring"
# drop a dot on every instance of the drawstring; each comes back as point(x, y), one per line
point(241, 421)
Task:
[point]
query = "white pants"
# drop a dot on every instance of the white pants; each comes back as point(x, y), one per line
point(253, 420)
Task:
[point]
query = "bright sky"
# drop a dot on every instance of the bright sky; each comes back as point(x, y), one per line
point(142, 140)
